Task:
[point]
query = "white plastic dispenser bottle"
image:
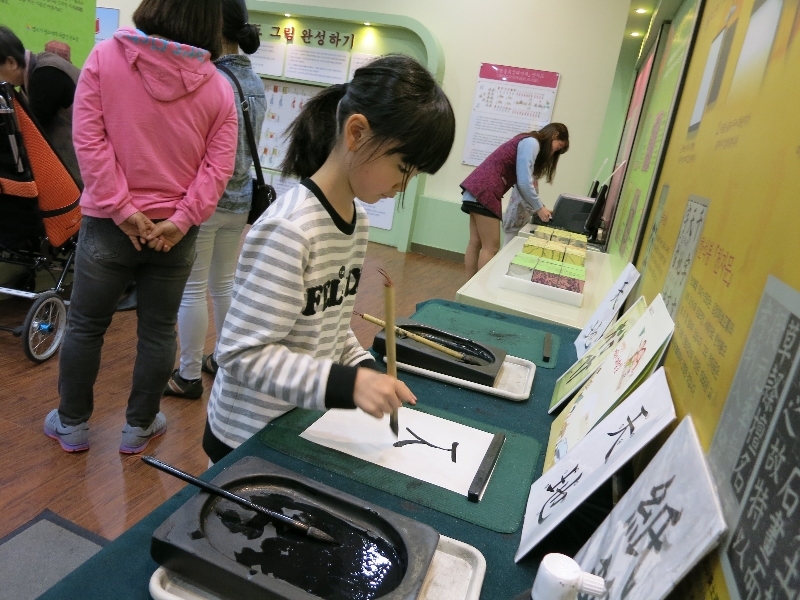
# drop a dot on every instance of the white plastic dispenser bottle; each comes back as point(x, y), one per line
point(561, 578)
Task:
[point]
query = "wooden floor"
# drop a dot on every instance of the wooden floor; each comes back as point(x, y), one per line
point(107, 492)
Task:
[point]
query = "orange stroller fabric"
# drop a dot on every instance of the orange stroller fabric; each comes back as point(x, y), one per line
point(59, 195)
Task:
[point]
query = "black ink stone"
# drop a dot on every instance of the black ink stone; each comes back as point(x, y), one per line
point(241, 554)
point(411, 352)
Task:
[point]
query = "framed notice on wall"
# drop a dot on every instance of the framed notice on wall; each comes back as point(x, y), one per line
point(508, 101)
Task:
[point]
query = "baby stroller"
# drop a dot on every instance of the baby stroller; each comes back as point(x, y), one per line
point(39, 204)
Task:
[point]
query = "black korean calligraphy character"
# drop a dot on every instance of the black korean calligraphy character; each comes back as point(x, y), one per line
point(288, 32)
point(320, 38)
point(559, 491)
point(627, 427)
point(775, 531)
point(419, 440)
point(585, 363)
point(307, 35)
point(618, 294)
point(666, 517)
point(335, 38)
point(657, 495)
point(787, 579)
point(789, 497)
point(772, 388)
point(757, 502)
point(349, 38)
point(592, 334)
point(776, 457)
point(276, 32)
point(601, 570)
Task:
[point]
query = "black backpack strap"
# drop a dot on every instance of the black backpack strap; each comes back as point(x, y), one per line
point(248, 126)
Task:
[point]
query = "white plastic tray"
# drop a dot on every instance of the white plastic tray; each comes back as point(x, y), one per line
point(456, 573)
point(542, 291)
point(514, 381)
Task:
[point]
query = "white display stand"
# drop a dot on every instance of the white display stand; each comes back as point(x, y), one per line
point(484, 290)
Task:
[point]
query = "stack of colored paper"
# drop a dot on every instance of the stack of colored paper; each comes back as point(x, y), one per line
point(522, 266)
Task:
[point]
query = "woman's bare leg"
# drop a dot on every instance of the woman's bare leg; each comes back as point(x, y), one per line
point(473, 248)
point(489, 234)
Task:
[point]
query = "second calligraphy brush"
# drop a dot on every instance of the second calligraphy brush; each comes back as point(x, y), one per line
point(391, 349)
point(418, 338)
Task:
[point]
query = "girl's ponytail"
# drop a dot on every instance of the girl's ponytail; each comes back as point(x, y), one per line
point(407, 111)
point(313, 133)
point(248, 38)
point(235, 27)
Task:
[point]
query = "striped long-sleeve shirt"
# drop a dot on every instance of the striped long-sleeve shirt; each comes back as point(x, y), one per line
point(287, 340)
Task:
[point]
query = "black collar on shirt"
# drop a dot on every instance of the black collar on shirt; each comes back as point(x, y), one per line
point(341, 224)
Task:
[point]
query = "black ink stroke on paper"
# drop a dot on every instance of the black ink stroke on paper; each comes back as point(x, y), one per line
point(419, 440)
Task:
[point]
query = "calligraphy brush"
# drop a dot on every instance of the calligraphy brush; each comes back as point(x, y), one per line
point(391, 349)
point(311, 532)
point(421, 339)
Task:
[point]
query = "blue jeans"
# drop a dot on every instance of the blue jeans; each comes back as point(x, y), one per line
point(106, 262)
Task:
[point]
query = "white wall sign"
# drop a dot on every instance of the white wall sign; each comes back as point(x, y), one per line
point(597, 457)
point(669, 520)
point(358, 60)
point(508, 101)
point(429, 448)
point(607, 311)
point(381, 214)
point(316, 64)
point(268, 59)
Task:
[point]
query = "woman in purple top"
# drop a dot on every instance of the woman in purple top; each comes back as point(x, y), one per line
point(517, 163)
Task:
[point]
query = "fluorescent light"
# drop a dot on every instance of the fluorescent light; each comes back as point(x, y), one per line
point(367, 24)
point(635, 34)
point(286, 15)
point(641, 11)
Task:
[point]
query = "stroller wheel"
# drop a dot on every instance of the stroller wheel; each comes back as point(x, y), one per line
point(44, 327)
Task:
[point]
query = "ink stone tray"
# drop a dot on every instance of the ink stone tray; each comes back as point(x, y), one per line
point(499, 374)
point(236, 553)
point(456, 573)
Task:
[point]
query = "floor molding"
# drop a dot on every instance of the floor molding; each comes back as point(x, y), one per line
point(437, 252)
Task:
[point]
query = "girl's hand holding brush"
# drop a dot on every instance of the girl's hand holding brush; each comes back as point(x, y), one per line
point(378, 394)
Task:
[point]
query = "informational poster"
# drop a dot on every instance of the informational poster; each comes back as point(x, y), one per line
point(73, 22)
point(649, 145)
point(664, 524)
point(609, 446)
point(282, 184)
point(508, 101)
point(316, 64)
point(580, 372)
point(284, 102)
point(629, 133)
point(755, 454)
point(429, 448)
point(607, 311)
point(268, 59)
point(631, 361)
point(105, 24)
point(381, 214)
point(654, 244)
point(694, 218)
point(723, 135)
point(358, 60)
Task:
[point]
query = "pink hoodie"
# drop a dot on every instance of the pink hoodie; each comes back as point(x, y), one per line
point(155, 130)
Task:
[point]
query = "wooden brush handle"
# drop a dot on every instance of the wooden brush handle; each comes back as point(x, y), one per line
point(413, 336)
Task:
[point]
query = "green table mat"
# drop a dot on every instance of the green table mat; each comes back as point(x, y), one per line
point(503, 503)
point(517, 336)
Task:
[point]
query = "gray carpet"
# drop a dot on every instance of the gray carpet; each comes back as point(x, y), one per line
point(40, 553)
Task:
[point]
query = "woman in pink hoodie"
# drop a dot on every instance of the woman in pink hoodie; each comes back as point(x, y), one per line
point(155, 132)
